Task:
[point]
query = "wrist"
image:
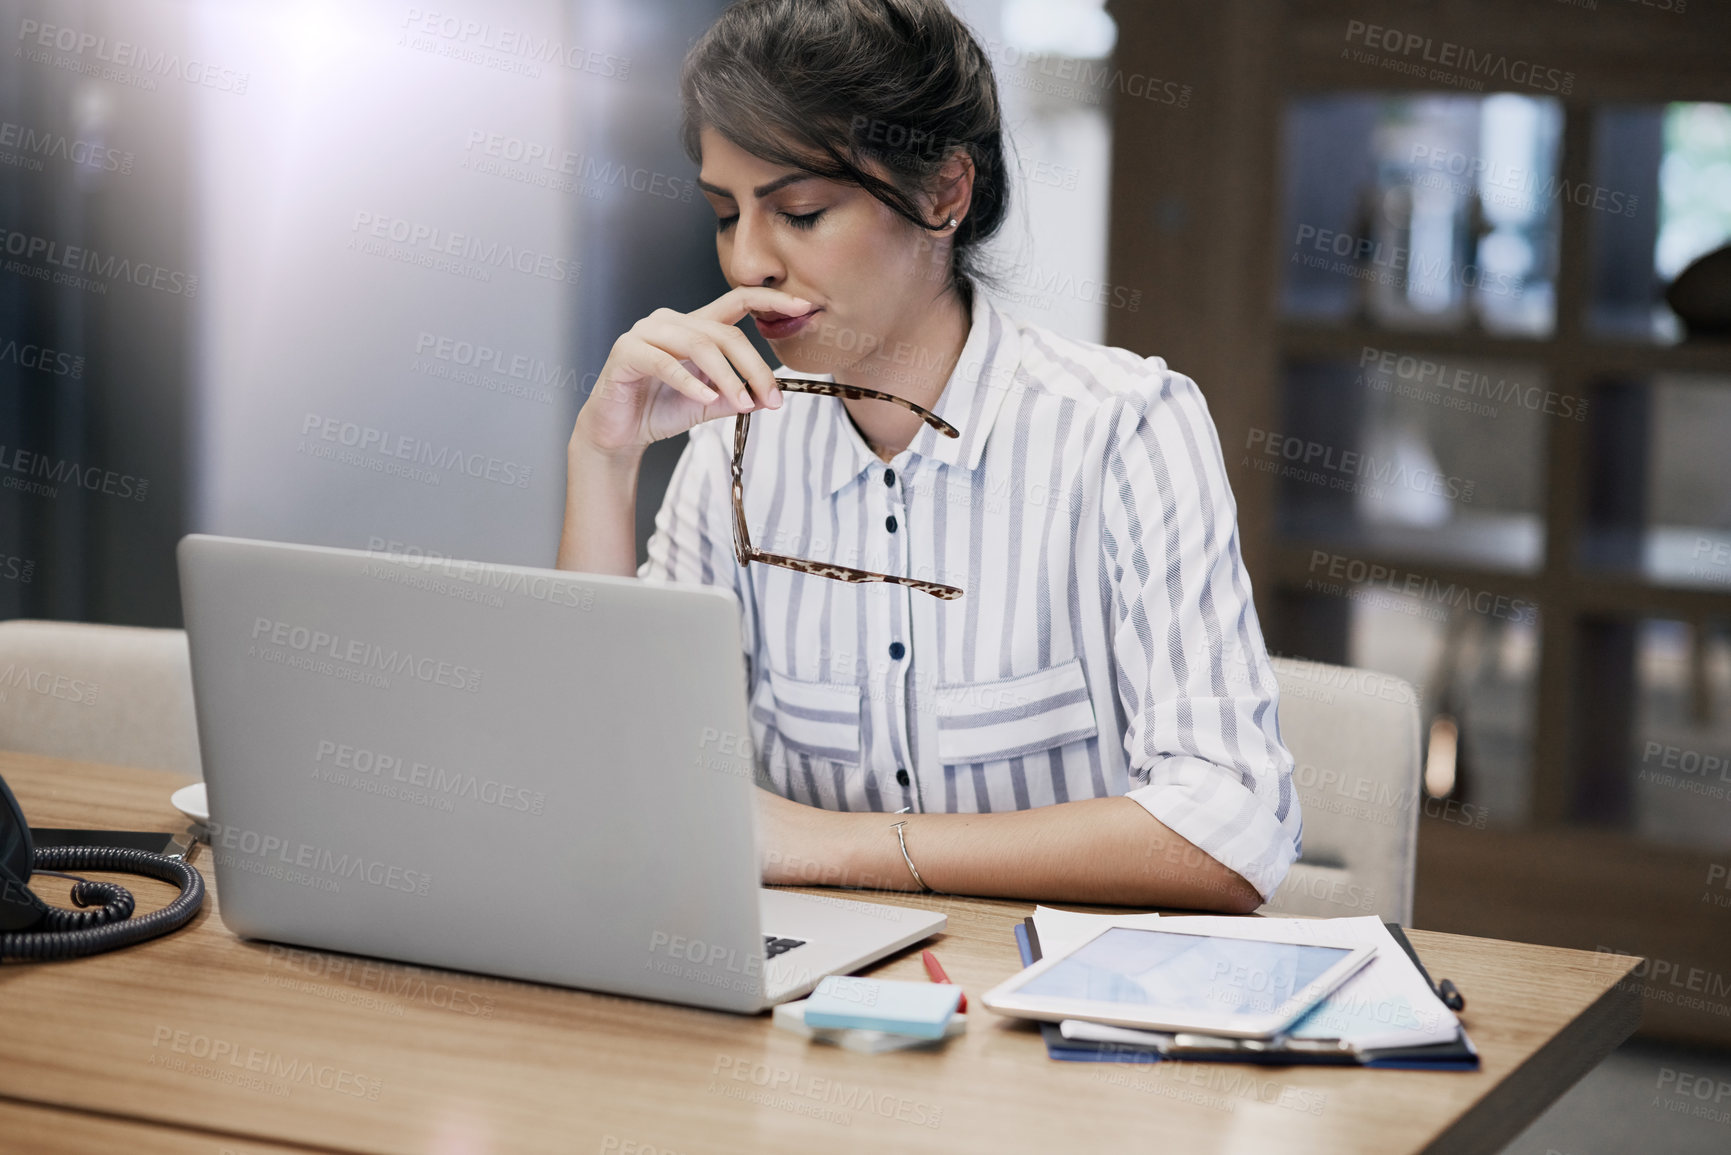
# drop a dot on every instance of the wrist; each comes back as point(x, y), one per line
point(583, 454)
point(874, 857)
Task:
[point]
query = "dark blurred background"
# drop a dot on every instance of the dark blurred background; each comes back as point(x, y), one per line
point(1422, 257)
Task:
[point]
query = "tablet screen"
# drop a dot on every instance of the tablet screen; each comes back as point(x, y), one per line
point(1185, 971)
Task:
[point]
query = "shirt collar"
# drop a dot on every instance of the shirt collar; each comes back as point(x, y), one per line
point(970, 401)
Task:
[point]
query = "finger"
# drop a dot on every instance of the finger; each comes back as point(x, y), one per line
point(731, 307)
point(708, 357)
point(670, 369)
point(745, 358)
point(678, 334)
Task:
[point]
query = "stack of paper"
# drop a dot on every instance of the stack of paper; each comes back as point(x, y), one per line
point(1386, 1004)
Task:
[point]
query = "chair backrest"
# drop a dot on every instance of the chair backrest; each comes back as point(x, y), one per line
point(1354, 737)
point(115, 694)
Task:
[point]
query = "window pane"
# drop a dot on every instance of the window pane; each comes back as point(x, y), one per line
point(1661, 197)
point(1658, 496)
point(1431, 457)
point(1471, 652)
point(1478, 662)
point(1681, 756)
point(1423, 212)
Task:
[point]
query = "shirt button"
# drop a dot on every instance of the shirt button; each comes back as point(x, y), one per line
point(890, 523)
point(897, 650)
point(901, 777)
point(889, 477)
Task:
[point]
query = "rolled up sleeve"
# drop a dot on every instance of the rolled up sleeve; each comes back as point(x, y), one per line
point(1203, 739)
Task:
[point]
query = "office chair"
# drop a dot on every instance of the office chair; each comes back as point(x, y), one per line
point(1354, 737)
point(115, 694)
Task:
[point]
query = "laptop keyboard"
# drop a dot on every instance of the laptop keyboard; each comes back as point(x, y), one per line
point(773, 946)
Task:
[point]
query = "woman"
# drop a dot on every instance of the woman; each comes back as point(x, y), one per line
point(1070, 727)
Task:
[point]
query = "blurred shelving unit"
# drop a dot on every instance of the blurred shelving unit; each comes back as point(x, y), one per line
point(1524, 158)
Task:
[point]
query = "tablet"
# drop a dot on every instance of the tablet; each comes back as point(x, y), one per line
point(1174, 980)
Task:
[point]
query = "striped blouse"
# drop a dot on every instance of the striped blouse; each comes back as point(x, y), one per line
point(1105, 642)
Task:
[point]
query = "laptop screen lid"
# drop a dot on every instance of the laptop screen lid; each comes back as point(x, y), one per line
point(515, 771)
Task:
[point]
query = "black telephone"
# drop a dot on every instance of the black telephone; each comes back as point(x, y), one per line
point(31, 929)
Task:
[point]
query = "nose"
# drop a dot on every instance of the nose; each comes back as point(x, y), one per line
point(753, 259)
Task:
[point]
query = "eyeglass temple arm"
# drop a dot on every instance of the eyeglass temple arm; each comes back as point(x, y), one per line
point(856, 392)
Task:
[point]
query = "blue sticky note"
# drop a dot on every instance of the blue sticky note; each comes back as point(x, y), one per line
point(919, 1009)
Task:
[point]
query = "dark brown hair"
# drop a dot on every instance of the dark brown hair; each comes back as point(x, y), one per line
point(827, 85)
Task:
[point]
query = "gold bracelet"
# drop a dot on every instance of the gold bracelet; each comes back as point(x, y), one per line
point(901, 838)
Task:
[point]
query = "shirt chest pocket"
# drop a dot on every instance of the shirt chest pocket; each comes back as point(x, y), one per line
point(989, 721)
point(816, 718)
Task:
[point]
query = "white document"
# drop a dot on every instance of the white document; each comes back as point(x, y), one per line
point(1387, 1004)
point(1060, 931)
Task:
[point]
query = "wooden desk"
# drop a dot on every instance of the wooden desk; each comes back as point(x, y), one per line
point(120, 1051)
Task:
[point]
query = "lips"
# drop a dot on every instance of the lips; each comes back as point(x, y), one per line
point(775, 326)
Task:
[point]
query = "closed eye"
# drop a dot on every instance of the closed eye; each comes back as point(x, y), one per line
point(797, 220)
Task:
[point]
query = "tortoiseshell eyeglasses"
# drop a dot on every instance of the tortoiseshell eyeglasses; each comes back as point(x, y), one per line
point(746, 552)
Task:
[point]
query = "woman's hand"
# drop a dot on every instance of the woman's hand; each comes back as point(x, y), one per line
point(674, 370)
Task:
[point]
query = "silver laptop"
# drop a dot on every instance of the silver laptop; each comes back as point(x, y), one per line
point(492, 768)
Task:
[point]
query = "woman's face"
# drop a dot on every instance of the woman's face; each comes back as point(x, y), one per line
point(870, 274)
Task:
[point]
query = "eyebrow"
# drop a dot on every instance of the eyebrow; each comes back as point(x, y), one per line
point(761, 190)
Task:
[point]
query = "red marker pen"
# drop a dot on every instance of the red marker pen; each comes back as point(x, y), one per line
point(936, 970)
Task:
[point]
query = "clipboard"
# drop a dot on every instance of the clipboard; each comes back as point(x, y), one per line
point(1458, 1055)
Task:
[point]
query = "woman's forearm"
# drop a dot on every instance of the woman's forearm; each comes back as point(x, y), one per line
point(1096, 850)
point(600, 534)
